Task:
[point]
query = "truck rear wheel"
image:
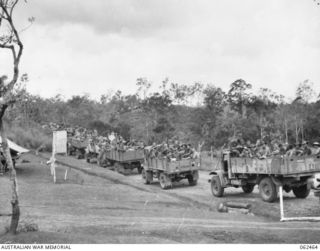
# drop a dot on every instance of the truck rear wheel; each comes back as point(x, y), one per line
point(301, 192)
point(216, 187)
point(139, 168)
point(193, 178)
point(78, 154)
point(248, 188)
point(287, 188)
point(119, 168)
point(147, 176)
point(165, 181)
point(267, 190)
point(192, 182)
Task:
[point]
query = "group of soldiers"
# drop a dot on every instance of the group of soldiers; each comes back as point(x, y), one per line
point(172, 151)
point(116, 142)
point(262, 150)
point(97, 143)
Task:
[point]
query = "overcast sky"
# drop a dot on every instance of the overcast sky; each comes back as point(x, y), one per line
point(78, 46)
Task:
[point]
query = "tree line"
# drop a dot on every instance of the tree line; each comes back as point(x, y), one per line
point(191, 113)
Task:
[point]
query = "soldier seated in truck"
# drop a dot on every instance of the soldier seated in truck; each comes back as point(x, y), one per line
point(306, 149)
point(316, 148)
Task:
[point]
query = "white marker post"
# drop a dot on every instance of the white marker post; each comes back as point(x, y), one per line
point(281, 203)
point(282, 218)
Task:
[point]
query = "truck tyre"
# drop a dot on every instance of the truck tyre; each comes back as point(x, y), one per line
point(267, 190)
point(248, 188)
point(287, 188)
point(101, 163)
point(301, 192)
point(165, 181)
point(216, 187)
point(78, 154)
point(86, 157)
point(144, 177)
point(116, 167)
point(102, 160)
point(147, 176)
point(126, 168)
point(111, 164)
point(193, 178)
point(119, 168)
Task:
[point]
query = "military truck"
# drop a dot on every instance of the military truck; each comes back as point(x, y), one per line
point(77, 147)
point(292, 173)
point(169, 171)
point(91, 152)
point(123, 161)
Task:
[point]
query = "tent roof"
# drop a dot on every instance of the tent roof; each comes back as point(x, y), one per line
point(13, 146)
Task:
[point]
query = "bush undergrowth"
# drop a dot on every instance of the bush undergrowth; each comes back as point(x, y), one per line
point(31, 138)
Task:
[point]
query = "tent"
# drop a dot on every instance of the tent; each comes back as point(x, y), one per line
point(15, 148)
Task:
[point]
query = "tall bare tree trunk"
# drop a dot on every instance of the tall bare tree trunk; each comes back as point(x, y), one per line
point(286, 129)
point(261, 129)
point(13, 178)
point(12, 43)
point(302, 131)
point(147, 127)
point(297, 132)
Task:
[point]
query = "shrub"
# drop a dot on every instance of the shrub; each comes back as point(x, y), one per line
point(31, 137)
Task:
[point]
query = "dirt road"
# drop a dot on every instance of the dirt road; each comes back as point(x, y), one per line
point(96, 205)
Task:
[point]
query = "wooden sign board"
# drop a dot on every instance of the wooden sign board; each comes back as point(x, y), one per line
point(59, 142)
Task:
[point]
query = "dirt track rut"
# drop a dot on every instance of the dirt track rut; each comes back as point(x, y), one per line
point(117, 178)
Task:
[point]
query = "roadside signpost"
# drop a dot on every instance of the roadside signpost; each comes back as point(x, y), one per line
point(59, 145)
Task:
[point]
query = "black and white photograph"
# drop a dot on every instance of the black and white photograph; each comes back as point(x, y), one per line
point(159, 122)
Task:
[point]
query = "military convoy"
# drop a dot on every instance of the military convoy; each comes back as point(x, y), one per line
point(77, 147)
point(294, 173)
point(166, 170)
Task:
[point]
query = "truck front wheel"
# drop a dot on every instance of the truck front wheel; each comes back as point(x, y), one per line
point(267, 190)
point(301, 192)
point(216, 187)
point(165, 181)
